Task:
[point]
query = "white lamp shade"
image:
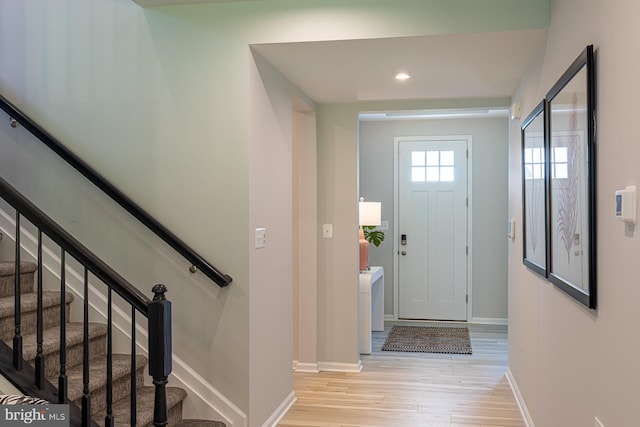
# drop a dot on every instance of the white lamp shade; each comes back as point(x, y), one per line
point(370, 213)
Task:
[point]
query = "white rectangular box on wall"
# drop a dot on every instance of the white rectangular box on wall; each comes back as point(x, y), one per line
point(626, 204)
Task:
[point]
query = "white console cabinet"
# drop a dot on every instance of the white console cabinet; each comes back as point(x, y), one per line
point(371, 306)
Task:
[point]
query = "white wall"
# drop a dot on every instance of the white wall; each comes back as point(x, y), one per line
point(572, 364)
point(489, 190)
point(270, 207)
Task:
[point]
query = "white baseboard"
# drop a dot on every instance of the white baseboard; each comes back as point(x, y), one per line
point(524, 411)
point(340, 367)
point(389, 318)
point(489, 321)
point(203, 400)
point(281, 411)
point(305, 367)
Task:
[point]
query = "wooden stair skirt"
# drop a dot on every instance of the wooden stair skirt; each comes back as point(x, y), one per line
point(97, 350)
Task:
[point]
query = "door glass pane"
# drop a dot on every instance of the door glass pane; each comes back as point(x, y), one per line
point(432, 174)
point(417, 158)
point(446, 158)
point(433, 158)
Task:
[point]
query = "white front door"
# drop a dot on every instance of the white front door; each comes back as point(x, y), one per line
point(432, 228)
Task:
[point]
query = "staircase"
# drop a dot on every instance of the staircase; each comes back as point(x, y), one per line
point(121, 363)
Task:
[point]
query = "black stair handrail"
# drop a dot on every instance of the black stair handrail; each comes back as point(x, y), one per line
point(115, 194)
point(157, 311)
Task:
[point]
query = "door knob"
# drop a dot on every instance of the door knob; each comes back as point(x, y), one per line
point(403, 253)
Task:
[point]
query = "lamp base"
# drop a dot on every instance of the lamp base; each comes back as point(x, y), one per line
point(364, 252)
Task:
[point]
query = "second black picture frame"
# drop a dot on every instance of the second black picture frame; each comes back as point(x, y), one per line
point(571, 183)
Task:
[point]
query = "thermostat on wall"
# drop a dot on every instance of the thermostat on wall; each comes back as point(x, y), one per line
point(626, 204)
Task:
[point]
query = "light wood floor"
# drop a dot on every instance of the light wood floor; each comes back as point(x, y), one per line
point(412, 389)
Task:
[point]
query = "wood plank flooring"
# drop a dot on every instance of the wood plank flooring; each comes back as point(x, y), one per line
point(412, 389)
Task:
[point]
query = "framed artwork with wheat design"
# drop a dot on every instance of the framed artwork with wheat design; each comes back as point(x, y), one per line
point(571, 178)
point(534, 191)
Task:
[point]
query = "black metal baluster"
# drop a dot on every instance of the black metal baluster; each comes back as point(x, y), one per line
point(63, 389)
point(86, 397)
point(134, 386)
point(17, 338)
point(39, 362)
point(108, 420)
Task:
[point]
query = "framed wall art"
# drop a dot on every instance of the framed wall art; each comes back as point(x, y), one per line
point(571, 190)
point(534, 191)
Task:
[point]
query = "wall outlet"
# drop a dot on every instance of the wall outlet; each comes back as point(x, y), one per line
point(327, 231)
point(384, 226)
point(597, 422)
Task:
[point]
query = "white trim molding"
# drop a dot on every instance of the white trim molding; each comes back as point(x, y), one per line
point(281, 410)
point(490, 321)
point(305, 367)
point(340, 367)
point(524, 411)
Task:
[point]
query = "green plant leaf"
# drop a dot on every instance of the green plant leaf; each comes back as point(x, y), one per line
point(373, 236)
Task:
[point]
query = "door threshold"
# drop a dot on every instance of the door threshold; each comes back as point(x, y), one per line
point(481, 327)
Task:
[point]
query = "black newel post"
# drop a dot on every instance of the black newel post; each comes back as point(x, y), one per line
point(160, 352)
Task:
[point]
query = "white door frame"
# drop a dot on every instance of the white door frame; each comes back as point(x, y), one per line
point(396, 188)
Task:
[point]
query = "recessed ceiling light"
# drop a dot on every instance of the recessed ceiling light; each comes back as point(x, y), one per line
point(402, 76)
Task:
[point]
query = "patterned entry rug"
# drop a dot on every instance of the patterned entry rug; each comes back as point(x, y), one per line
point(428, 339)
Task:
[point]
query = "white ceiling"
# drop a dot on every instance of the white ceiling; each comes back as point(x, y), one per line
point(456, 66)
point(485, 65)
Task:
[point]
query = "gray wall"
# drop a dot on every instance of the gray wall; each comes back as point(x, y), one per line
point(489, 192)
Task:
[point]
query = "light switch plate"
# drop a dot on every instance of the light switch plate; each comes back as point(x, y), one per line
point(261, 238)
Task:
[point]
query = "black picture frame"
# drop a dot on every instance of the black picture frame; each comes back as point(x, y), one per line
point(571, 180)
point(534, 191)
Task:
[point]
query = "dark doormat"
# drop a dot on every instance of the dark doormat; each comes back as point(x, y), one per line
point(428, 339)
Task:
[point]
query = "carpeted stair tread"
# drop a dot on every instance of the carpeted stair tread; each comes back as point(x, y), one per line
point(29, 302)
point(29, 305)
point(199, 423)
point(121, 367)
point(8, 268)
point(51, 339)
point(7, 277)
point(145, 397)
